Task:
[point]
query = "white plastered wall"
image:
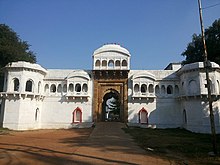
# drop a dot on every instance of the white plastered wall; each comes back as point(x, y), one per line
point(59, 114)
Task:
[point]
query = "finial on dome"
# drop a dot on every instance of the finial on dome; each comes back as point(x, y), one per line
point(115, 43)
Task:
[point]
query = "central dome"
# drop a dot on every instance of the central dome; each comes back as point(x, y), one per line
point(111, 57)
point(112, 48)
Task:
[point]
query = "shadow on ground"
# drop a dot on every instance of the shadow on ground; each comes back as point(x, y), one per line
point(105, 144)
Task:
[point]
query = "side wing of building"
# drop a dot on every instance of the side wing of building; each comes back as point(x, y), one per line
point(170, 99)
point(36, 98)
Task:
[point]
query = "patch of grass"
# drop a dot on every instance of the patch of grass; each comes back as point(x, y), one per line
point(179, 145)
point(4, 131)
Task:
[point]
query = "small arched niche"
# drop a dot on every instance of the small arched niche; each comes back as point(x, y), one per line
point(77, 115)
point(143, 116)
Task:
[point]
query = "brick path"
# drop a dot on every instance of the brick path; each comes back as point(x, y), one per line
point(106, 144)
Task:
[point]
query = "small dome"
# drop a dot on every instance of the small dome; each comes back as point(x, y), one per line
point(24, 64)
point(79, 73)
point(143, 74)
point(112, 48)
point(111, 57)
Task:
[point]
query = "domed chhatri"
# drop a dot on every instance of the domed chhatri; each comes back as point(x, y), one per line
point(110, 57)
point(38, 98)
point(112, 48)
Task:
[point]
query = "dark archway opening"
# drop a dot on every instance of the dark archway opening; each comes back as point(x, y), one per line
point(111, 107)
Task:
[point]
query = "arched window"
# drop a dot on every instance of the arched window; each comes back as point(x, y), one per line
point(29, 86)
point(218, 88)
point(157, 89)
point(136, 88)
point(97, 63)
point(144, 88)
point(124, 63)
point(64, 88)
point(16, 84)
point(184, 117)
point(39, 87)
point(71, 87)
point(46, 88)
point(53, 88)
point(176, 90)
point(36, 114)
point(143, 116)
point(183, 88)
point(193, 89)
point(77, 115)
point(212, 87)
point(117, 63)
point(111, 63)
point(85, 88)
point(104, 63)
point(59, 88)
point(162, 89)
point(78, 87)
point(151, 88)
point(169, 90)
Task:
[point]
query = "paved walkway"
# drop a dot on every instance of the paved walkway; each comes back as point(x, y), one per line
point(109, 144)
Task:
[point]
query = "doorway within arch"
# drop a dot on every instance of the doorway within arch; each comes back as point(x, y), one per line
point(111, 106)
point(107, 84)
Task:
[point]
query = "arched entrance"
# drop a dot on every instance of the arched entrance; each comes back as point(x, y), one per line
point(110, 86)
point(111, 106)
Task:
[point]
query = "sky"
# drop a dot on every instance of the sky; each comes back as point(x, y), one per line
point(65, 33)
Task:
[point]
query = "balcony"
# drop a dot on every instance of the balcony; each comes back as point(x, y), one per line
point(77, 95)
point(19, 95)
point(143, 95)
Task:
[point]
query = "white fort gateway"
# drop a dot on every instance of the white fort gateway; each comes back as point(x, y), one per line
point(39, 98)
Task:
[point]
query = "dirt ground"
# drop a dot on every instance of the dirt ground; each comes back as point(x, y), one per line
point(41, 146)
point(104, 144)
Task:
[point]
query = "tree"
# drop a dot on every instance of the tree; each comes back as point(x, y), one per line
point(114, 105)
point(113, 109)
point(195, 50)
point(12, 49)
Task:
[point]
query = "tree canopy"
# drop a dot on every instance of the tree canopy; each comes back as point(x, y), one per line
point(12, 49)
point(195, 50)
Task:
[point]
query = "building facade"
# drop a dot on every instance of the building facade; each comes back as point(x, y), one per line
point(39, 98)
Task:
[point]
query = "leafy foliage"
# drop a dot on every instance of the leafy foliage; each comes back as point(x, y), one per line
point(12, 49)
point(114, 106)
point(195, 50)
